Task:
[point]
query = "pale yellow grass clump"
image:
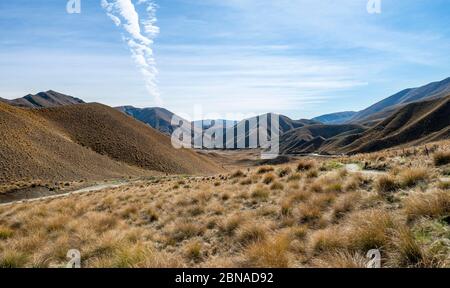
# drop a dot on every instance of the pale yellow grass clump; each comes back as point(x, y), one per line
point(272, 253)
point(413, 176)
point(432, 204)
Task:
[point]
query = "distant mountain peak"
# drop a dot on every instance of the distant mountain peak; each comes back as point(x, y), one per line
point(47, 99)
point(382, 108)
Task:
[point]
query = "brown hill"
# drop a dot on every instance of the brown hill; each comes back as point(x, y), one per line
point(32, 148)
point(415, 123)
point(86, 141)
point(109, 132)
point(310, 138)
point(383, 109)
point(158, 118)
point(286, 124)
point(44, 100)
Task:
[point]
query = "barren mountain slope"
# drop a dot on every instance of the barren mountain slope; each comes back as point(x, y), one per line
point(45, 100)
point(32, 148)
point(415, 123)
point(109, 132)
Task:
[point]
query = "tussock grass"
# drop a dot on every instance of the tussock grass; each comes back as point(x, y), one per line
point(406, 251)
point(283, 172)
point(269, 178)
point(345, 204)
point(432, 204)
point(441, 158)
point(185, 230)
point(246, 181)
point(369, 230)
point(12, 259)
point(306, 165)
point(294, 177)
point(309, 213)
point(260, 193)
point(5, 233)
point(340, 259)
point(386, 184)
point(230, 225)
point(413, 176)
point(193, 250)
point(237, 174)
point(272, 253)
point(251, 232)
point(276, 186)
point(326, 240)
point(265, 169)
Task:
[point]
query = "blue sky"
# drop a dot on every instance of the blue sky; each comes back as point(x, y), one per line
point(301, 58)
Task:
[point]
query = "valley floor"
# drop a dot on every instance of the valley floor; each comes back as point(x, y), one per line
point(310, 212)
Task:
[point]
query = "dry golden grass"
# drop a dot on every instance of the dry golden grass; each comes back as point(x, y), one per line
point(268, 254)
point(330, 219)
point(413, 176)
point(265, 169)
point(441, 158)
point(341, 259)
point(386, 184)
point(432, 204)
point(305, 165)
point(269, 178)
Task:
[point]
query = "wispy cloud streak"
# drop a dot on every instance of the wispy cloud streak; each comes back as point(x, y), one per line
point(139, 36)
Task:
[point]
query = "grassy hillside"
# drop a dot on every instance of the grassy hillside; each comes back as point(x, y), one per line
point(310, 213)
point(33, 148)
point(413, 123)
point(86, 141)
point(112, 133)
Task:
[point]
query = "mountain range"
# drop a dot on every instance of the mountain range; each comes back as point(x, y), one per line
point(43, 100)
point(53, 136)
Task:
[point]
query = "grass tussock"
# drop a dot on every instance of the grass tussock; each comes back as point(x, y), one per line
point(441, 158)
point(413, 176)
point(251, 232)
point(230, 225)
point(272, 253)
point(237, 174)
point(283, 172)
point(386, 184)
point(185, 230)
point(306, 165)
point(5, 233)
point(269, 178)
point(265, 169)
point(260, 193)
point(341, 259)
point(276, 186)
point(433, 204)
point(193, 251)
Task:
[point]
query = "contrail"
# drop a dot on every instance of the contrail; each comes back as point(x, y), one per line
point(139, 35)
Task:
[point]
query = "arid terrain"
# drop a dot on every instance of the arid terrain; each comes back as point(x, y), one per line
point(225, 134)
point(310, 212)
point(109, 183)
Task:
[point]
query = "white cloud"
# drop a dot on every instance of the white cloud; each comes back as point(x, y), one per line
point(139, 37)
